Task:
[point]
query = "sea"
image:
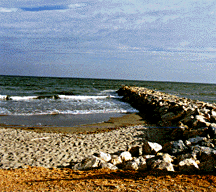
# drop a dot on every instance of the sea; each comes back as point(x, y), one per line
point(55, 101)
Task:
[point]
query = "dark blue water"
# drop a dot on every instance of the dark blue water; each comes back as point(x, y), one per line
point(42, 96)
point(28, 96)
point(45, 95)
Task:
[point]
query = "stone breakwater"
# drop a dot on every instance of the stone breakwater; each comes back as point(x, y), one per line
point(191, 137)
point(189, 144)
point(184, 140)
point(169, 110)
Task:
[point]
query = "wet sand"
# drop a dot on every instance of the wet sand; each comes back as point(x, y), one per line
point(78, 123)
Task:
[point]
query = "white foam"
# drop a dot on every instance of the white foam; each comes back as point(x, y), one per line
point(72, 97)
point(21, 98)
point(75, 112)
point(3, 97)
point(81, 97)
point(4, 111)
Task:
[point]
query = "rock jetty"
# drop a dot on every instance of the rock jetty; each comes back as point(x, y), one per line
point(184, 140)
point(167, 110)
point(191, 134)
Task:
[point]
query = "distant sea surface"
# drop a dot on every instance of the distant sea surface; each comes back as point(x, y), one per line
point(42, 96)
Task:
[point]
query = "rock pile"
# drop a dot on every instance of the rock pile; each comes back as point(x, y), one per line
point(170, 110)
point(191, 155)
point(192, 143)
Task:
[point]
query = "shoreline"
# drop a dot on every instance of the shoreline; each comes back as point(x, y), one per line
point(112, 121)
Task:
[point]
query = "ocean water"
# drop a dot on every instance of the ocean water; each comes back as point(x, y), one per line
point(30, 96)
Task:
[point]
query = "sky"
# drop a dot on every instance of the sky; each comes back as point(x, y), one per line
point(153, 40)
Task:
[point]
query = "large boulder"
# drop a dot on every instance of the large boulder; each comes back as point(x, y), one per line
point(103, 156)
point(116, 160)
point(106, 165)
point(135, 151)
point(188, 165)
point(174, 147)
point(126, 156)
point(161, 162)
point(88, 163)
point(136, 164)
point(208, 166)
point(150, 147)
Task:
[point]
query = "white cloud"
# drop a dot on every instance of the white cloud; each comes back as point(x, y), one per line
point(146, 19)
point(7, 10)
point(76, 5)
point(168, 18)
point(184, 43)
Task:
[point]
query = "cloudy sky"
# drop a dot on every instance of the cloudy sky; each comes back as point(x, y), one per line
point(118, 39)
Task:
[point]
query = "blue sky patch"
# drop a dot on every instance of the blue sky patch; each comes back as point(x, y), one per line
point(44, 8)
point(121, 39)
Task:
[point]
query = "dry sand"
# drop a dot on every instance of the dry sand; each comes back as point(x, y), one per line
point(38, 153)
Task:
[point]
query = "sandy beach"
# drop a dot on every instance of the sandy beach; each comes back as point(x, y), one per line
point(59, 146)
point(38, 161)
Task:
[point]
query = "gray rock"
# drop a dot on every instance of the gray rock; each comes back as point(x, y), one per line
point(203, 153)
point(212, 130)
point(195, 140)
point(200, 121)
point(131, 165)
point(106, 165)
point(141, 163)
point(181, 157)
point(158, 164)
point(168, 116)
point(136, 164)
point(88, 163)
point(165, 157)
point(188, 165)
point(163, 161)
point(174, 147)
point(150, 147)
point(206, 153)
